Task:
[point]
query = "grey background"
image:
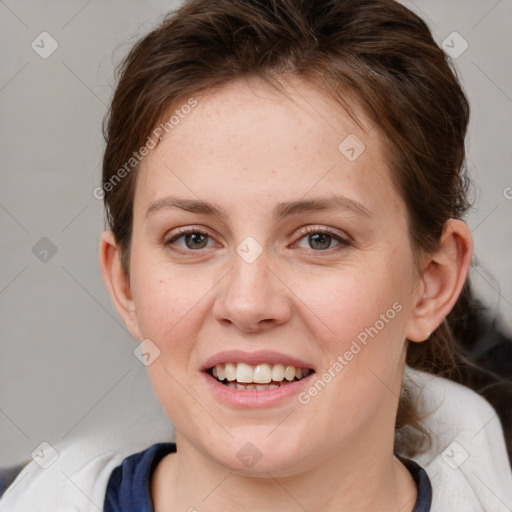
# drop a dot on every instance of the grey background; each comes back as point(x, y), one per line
point(67, 361)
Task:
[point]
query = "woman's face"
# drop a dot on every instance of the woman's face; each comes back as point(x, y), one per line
point(298, 254)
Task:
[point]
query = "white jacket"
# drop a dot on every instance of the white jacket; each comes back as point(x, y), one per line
point(468, 464)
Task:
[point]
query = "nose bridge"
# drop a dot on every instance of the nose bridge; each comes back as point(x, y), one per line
point(250, 262)
point(251, 297)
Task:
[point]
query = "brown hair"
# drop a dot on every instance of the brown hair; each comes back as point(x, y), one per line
point(378, 51)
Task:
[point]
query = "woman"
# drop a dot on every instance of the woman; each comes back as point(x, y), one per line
point(284, 186)
point(298, 217)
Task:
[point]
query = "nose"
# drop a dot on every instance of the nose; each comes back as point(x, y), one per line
point(252, 297)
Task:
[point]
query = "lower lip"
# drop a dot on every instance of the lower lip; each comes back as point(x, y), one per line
point(255, 398)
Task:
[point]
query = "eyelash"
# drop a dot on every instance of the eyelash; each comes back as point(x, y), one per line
point(307, 231)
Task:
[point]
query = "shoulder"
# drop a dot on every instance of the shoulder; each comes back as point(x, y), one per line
point(468, 464)
point(77, 479)
point(62, 486)
point(128, 486)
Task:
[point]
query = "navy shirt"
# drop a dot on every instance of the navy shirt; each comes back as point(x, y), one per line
point(129, 485)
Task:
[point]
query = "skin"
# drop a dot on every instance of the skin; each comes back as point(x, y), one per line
point(238, 150)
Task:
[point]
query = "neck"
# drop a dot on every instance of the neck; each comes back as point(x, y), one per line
point(372, 481)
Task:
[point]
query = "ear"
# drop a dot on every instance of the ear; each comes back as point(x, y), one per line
point(117, 282)
point(442, 281)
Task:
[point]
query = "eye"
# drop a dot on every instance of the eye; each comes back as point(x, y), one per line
point(193, 238)
point(321, 239)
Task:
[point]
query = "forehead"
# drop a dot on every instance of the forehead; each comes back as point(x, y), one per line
point(267, 146)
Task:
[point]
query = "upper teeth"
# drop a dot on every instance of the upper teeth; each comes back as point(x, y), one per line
point(259, 374)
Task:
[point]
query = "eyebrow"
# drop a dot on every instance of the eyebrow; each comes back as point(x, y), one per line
point(281, 210)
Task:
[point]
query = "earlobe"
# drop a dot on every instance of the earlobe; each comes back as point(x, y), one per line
point(442, 280)
point(117, 282)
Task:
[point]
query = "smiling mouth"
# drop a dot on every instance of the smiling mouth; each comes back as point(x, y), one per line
point(257, 377)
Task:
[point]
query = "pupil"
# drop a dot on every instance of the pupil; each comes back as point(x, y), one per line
point(196, 237)
point(326, 240)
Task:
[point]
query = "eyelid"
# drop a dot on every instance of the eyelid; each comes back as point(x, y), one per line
point(179, 232)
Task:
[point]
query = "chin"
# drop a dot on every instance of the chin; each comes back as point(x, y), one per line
point(260, 456)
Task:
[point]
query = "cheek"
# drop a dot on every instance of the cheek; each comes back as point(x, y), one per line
point(351, 301)
point(359, 323)
point(170, 311)
point(165, 301)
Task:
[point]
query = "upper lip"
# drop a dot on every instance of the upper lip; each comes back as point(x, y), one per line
point(253, 358)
